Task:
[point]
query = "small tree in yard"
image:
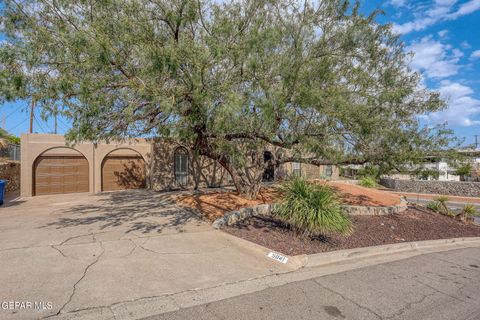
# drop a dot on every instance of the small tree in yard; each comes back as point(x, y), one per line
point(317, 79)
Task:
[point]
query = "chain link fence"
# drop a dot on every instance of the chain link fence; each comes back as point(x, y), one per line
point(11, 151)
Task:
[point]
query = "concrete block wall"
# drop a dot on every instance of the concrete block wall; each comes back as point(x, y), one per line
point(454, 188)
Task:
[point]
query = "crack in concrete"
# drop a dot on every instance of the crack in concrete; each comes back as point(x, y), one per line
point(348, 299)
point(76, 237)
point(74, 289)
point(461, 267)
point(61, 252)
point(171, 295)
point(135, 246)
point(423, 283)
point(410, 305)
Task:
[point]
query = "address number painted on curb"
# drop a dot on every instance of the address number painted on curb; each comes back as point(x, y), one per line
point(278, 257)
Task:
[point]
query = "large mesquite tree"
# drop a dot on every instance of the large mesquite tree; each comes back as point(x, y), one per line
point(316, 79)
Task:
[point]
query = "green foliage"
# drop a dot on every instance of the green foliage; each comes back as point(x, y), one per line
point(442, 199)
point(374, 171)
point(425, 174)
point(9, 137)
point(464, 170)
point(470, 210)
point(368, 182)
point(434, 206)
point(318, 78)
point(439, 205)
point(312, 209)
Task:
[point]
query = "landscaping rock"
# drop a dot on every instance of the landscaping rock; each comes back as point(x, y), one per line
point(263, 209)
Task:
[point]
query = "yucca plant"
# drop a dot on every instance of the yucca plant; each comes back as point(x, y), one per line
point(434, 206)
point(439, 205)
point(468, 212)
point(442, 204)
point(311, 209)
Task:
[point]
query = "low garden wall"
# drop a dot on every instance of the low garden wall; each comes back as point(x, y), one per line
point(453, 188)
point(233, 217)
point(10, 171)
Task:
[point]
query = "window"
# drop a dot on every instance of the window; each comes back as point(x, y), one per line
point(328, 171)
point(181, 166)
point(296, 169)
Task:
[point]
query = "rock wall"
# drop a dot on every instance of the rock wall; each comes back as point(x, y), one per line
point(454, 188)
point(10, 171)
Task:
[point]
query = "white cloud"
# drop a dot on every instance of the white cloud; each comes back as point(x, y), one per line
point(442, 33)
point(465, 45)
point(464, 9)
point(434, 59)
point(462, 107)
point(475, 54)
point(440, 10)
point(398, 3)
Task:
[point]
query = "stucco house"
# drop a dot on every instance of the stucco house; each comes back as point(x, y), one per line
point(50, 166)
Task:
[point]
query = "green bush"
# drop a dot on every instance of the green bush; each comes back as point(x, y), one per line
point(468, 212)
point(311, 209)
point(368, 182)
point(434, 206)
point(439, 204)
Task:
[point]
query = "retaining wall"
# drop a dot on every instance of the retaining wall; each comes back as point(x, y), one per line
point(454, 188)
point(10, 171)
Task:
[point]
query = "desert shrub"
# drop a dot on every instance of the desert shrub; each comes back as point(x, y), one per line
point(311, 209)
point(434, 206)
point(425, 174)
point(368, 182)
point(464, 170)
point(439, 204)
point(468, 212)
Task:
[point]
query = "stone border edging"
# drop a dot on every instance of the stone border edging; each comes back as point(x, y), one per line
point(324, 258)
point(233, 217)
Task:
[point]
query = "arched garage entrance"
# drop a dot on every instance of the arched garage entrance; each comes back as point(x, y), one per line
point(60, 170)
point(123, 169)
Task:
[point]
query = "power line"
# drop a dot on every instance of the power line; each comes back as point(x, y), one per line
point(39, 124)
point(23, 121)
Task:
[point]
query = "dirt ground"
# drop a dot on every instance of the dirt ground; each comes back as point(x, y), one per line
point(216, 204)
point(415, 224)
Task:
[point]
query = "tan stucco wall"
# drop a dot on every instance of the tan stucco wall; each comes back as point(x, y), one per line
point(159, 156)
point(308, 171)
point(202, 172)
point(34, 145)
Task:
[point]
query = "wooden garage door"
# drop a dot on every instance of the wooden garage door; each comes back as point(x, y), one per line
point(60, 174)
point(123, 172)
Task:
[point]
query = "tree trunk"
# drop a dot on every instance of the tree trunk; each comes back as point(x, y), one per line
point(247, 178)
point(247, 184)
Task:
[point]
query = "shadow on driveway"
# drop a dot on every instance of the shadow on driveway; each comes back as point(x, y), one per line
point(139, 210)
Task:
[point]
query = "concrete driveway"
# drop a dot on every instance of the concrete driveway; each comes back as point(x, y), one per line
point(77, 255)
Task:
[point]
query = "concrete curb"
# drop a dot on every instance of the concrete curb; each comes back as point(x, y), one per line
point(233, 217)
point(320, 259)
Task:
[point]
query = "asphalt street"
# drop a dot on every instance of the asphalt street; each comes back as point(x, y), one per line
point(437, 286)
point(453, 205)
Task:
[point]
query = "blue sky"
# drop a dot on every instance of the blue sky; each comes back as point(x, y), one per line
point(443, 34)
point(445, 37)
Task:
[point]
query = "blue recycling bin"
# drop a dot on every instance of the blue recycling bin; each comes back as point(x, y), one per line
point(3, 186)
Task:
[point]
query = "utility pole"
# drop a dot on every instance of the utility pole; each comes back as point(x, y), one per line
point(32, 106)
point(476, 141)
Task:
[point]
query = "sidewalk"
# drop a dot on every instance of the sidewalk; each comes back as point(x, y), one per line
point(432, 196)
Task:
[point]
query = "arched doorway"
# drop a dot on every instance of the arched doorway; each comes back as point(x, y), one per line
point(123, 169)
point(269, 172)
point(60, 170)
